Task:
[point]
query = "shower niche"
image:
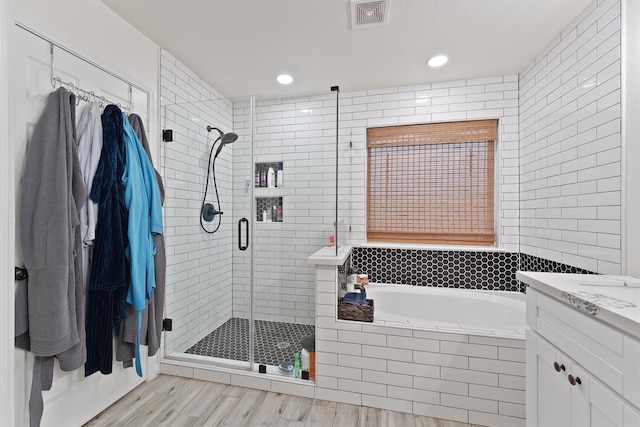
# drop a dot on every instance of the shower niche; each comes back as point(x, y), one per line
point(269, 209)
point(268, 189)
point(262, 174)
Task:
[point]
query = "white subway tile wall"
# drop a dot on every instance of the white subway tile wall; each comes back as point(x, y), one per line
point(488, 98)
point(570, 145)
point(199, 282)
point(300, 134)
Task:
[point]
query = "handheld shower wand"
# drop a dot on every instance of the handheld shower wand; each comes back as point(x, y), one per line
point(208, 211)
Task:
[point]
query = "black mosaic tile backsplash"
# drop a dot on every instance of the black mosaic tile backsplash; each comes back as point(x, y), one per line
point(450, 269)
point(534, 263)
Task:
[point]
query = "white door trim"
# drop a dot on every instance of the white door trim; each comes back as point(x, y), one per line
point(7, 227)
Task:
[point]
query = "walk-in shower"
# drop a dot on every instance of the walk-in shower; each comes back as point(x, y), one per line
point(245, 295)
point(208, 211)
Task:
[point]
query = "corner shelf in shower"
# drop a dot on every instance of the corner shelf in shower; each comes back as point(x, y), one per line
point(267, 192)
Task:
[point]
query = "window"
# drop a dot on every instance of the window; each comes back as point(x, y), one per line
point(432, 183)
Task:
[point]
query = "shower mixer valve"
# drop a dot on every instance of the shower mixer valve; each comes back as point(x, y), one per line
point(209, 212)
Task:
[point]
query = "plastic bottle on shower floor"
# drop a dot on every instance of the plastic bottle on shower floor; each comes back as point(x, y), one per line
point(296, 367)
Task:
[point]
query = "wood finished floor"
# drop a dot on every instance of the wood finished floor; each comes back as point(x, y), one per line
point(175, 401)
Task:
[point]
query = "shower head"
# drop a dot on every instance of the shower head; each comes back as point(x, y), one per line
point(225, 138)
point(228, 138)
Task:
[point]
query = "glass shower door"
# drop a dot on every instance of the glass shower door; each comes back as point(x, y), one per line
point(207, 228)
point(244, 295)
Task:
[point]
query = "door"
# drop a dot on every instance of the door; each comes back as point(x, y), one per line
point(73, 399)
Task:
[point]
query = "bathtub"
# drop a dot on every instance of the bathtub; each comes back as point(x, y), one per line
point(477, 311)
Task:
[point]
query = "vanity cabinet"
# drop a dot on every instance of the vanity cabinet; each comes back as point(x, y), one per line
point(580, 371)
point(568, 396)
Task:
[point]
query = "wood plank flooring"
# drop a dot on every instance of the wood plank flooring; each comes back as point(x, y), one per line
point(181, 402)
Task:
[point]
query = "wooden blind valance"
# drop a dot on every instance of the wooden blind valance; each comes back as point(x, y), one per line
point(432, 183)
point(433, 133)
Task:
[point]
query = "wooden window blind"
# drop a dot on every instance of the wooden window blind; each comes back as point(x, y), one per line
point(432, 183)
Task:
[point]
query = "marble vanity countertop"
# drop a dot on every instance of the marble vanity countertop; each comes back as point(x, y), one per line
point(614, 300)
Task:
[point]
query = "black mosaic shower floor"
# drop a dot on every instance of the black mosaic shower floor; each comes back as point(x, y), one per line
point(274, 341)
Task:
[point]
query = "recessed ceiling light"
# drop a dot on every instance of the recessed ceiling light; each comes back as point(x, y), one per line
point(284, 79)
point(422, 100)
point(437, 61)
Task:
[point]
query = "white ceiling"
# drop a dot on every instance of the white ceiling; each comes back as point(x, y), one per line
point(239, 46)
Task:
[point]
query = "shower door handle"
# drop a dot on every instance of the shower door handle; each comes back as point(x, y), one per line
point(246, 223)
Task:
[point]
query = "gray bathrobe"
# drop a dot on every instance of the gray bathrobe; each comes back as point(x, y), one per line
point(151, 328)
point(50, 307)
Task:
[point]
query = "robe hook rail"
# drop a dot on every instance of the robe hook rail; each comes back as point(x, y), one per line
point(86, 95)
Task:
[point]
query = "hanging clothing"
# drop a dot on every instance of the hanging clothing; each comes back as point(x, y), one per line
point(142, 198)
point(89, 149)
point(151, 327)
point(50, 306)
point(109, 267)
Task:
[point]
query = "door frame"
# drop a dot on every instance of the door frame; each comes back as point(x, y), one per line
point(7, 220)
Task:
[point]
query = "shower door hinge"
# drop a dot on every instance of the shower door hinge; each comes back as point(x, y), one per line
point(167, 135)
point(167, 324)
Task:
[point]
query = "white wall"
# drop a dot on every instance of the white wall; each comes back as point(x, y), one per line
point(495, 97)
point(199, 267)
point(570, 145)
point(90, 27)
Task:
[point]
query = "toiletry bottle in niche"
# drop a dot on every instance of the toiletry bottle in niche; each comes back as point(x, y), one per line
point(279, 175)
point(274, 213)
point(271, 178)
point(264, 216)
point(263, 178)
point(280, 212)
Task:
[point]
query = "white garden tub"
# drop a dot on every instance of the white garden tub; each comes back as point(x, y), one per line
point(490, 312)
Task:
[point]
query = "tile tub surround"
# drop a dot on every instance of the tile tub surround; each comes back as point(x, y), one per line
point(455, 376)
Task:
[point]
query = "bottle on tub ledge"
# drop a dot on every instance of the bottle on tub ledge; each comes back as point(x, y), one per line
point(362, 279)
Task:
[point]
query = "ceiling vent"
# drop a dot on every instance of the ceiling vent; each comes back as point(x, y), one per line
point(368, 14)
